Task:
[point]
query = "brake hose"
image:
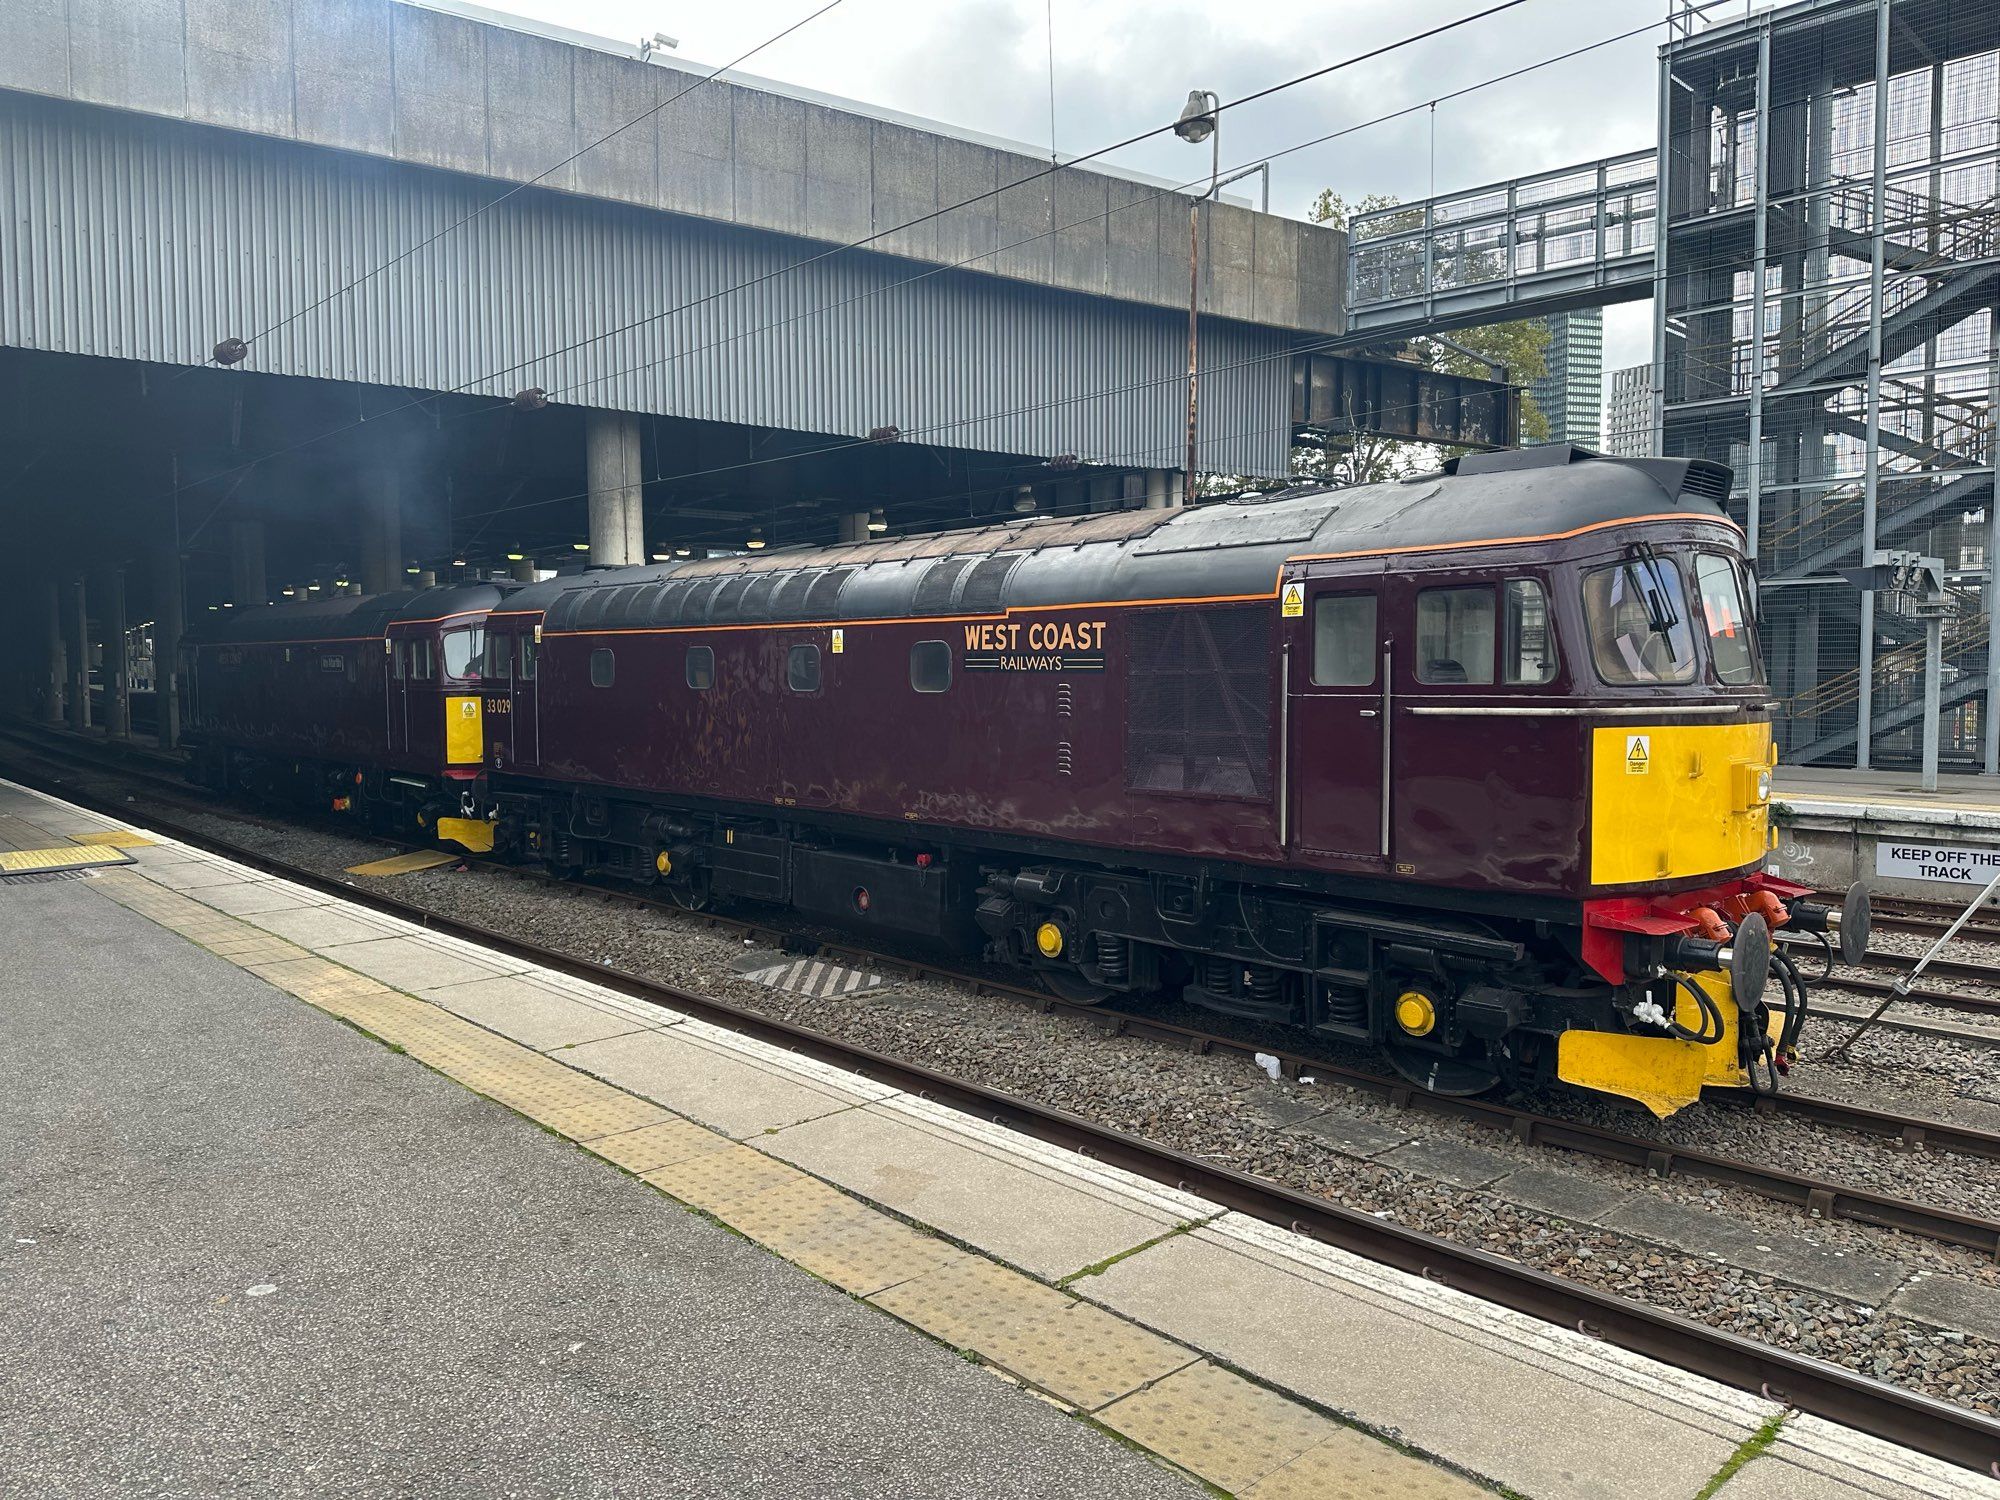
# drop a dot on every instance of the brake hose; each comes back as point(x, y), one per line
point(1710, 1015)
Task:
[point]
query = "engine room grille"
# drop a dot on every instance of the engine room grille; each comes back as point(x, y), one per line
point(1198, 702)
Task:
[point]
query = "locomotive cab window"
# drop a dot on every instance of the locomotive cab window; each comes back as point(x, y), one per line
point(1637, 615)
point(529, 651)
point(802, 669)
point(1455, 635)
point(930, 666)
point(1528, 649)
point(423, 659)
point(1726, 620)
point(499, 658)
point(1343, 640)
point(701, 668)
point(463, 649)
point(603, 667)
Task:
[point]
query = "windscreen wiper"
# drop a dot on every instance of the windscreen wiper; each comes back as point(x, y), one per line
point(1660, 613)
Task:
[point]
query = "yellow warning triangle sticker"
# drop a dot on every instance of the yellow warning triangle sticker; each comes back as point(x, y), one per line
point(1293, 601)
point(1638, 753)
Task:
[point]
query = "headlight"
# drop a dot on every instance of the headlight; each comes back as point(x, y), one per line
point(1763, 783)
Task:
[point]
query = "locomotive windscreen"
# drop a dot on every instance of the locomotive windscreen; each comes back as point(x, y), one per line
point(1198, 695)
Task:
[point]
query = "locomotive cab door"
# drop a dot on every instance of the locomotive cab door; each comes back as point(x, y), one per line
point(1339, 664)
point(397, 689)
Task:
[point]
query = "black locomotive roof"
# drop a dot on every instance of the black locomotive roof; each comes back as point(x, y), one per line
point(1234, 548)
point(342, 617)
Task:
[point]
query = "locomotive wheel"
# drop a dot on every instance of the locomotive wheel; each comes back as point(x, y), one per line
point(1435, 1073)
point(1066, 984)
point(696, 893)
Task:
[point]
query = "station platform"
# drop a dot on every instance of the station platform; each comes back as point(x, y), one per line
point(301, 1197)
point(1836, 827)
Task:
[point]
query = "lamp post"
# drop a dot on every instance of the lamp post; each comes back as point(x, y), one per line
point(1198, 122)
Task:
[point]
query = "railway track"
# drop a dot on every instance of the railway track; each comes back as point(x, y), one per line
point(1818, 1197)
point(1942, 1429)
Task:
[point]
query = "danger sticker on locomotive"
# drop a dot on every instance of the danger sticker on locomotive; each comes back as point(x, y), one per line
point(1292, 603)
point(1955, 864)
point(1638, 754)
point(1035, 646)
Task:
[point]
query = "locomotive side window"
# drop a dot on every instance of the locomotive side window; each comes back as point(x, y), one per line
point(1344, 640)
point(399, 657)
point(529, 651)
point(603, 667)
point(1637, 615)
point(499, 658)
point(1455, 635)
point(1529, 646)
point(930, 666)
point(802, 669)
point(1725, 619)
point(701, 667)
point(423, 659)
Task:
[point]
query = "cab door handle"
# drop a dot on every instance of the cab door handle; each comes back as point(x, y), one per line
point(1368, 713)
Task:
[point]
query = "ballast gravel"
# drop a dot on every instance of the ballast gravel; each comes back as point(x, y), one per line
point(1225, 1109)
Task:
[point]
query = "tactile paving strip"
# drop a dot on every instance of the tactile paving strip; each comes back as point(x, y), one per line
point(1085, 1355)
point(1219, 1425)
point(972, 1302)
point(1350, 1466)
point(114, 838)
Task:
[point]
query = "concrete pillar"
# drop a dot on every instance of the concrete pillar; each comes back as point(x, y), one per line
point(524, 570)
point(79, 678)
point(168, 611)
point(247, 586)
point(617, 514)
point(854, 526)
point(58, 657)
point(116, 674)
point(1163, 489)
point(382, 535)
point(426, 579)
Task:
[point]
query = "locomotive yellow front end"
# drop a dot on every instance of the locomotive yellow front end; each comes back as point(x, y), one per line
point(1680, 826)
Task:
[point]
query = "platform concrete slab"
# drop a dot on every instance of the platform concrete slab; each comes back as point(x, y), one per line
point(1008, 1208)
point(1790, 1258)
point(1814, 1459)
point(257, 896)
point(1951, 1302)
point(727, 1092)
point(528, 1012)
point(1521, 1403)
point(321, 927)
point(408, 964)
point(189, 875)
point(1578, 1198)
point(1455, 1162)
point(250, 1251)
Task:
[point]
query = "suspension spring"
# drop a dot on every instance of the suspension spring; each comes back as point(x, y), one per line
point(1114, 958)
point(1265, 984)
point(1218, 975)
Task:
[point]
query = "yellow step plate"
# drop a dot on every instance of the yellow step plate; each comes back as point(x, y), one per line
point(113, 838)
point(404, 864)
point(71, 857)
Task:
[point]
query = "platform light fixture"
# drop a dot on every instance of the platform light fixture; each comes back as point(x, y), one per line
point(877, 521)
point(412, 571)
point(756, 539)
point(579, 546)
point(683, 552)
point(662, 556)
point(515, 556)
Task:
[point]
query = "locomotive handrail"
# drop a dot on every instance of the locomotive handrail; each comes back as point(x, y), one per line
point(1570, 711)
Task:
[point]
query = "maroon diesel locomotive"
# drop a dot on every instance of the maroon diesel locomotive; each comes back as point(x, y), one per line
point(369, 706)
point(1473, 767)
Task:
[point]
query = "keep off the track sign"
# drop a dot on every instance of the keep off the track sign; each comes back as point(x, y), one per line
point(1952, 864)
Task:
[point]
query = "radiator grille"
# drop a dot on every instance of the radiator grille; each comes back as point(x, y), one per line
point(1198, 702)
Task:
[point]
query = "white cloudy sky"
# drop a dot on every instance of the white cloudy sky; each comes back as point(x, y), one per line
point(1122, 66)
